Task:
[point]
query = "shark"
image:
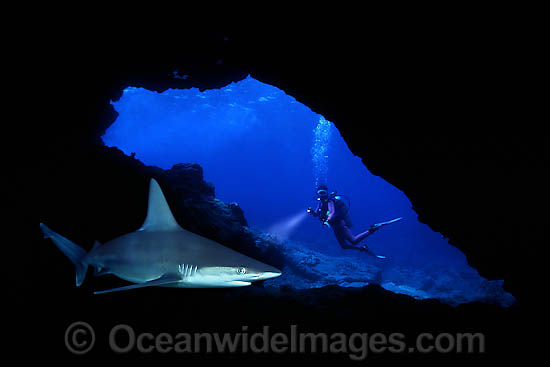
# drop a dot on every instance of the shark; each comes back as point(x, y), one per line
point(162, 253)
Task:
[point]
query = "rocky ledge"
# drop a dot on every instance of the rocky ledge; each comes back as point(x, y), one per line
point(194, 201)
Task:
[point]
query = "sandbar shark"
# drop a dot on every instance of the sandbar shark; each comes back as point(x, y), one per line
point(162, 253)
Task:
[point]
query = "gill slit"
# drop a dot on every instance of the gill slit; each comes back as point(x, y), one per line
point(187, 270)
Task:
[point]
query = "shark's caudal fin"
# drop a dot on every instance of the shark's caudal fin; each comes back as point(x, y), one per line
point(159, 215)
point(71, 250)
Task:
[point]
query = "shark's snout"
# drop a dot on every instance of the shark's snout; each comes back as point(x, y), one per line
point(262, 275)
point(269, 275)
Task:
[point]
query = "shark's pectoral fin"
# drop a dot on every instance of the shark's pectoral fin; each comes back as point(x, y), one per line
point(163, 280)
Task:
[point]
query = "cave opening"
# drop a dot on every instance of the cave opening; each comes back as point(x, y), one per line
point(267, 152)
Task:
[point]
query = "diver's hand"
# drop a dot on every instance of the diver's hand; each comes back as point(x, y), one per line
point(310, 211)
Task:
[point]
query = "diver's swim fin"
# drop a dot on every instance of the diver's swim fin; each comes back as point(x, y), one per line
point(381, 224)
point(366, 249)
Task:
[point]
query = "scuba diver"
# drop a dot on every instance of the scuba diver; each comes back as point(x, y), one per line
point(333, 212)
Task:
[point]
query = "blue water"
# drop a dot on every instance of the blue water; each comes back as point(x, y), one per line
point(266, 151)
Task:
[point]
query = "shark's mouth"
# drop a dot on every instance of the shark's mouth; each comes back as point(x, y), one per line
point(238, 283)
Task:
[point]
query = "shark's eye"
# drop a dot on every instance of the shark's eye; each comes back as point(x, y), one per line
point(241, 271)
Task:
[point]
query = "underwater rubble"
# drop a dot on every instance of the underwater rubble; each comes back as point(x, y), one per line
point(305, 268)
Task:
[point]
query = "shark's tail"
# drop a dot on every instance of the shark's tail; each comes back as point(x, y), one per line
point(75, 253)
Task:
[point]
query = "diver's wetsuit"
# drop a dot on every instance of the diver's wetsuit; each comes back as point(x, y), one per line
point(338, 225)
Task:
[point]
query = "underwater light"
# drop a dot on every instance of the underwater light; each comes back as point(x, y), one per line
point(284, 228)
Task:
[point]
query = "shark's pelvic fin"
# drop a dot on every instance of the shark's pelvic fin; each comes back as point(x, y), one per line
point(159, 215)
point(163, 280)
point(98, 271)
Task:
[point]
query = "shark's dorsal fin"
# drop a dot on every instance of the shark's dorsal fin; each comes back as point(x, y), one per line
point(159, 215)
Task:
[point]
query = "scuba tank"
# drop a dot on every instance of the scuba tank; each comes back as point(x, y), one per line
point(342, 210)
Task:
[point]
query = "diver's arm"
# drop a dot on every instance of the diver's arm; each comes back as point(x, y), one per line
point(331, 211)
point(315, 212)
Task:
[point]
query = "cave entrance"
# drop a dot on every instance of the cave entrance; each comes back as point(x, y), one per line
point(261, 148)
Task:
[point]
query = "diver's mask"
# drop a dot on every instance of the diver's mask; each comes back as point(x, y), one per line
point(323, 194)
